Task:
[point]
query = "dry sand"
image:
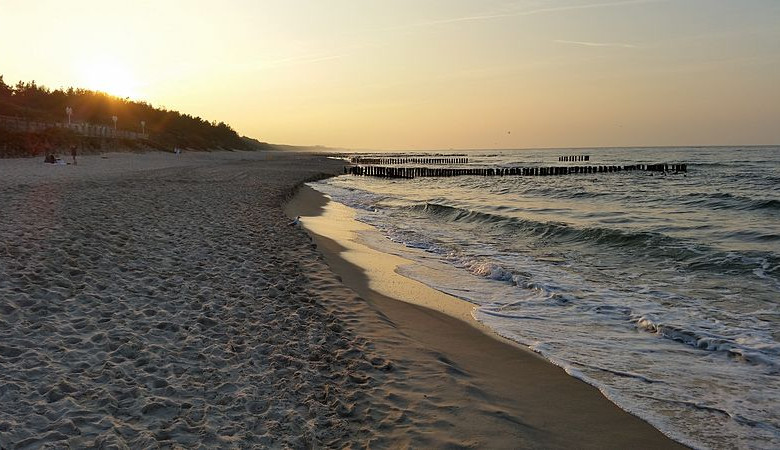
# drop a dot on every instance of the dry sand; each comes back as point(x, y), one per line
point(154, 300)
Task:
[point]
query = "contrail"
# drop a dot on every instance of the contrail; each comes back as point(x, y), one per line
point(531, 12)
point(595, 44)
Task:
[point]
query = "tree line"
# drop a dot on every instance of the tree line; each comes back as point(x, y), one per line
point(166, 128)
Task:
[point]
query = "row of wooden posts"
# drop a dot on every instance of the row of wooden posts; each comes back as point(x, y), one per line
point(412, 172)
point(574, 158)
point(408, 160)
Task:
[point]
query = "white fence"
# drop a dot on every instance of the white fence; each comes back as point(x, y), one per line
point(81, 128)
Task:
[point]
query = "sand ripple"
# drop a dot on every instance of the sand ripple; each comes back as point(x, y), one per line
point(170, 307)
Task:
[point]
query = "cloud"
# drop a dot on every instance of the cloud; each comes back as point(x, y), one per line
point(595, 44)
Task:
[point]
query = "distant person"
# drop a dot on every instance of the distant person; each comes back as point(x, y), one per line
point(73, 153)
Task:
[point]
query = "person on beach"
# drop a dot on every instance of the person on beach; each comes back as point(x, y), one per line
point(73, 153)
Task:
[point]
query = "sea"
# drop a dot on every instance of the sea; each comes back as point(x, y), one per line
point(662, 290)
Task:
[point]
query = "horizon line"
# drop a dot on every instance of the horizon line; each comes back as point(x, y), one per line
point(372, 150)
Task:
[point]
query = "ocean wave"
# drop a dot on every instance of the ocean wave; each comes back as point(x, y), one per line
point(725, 200)
point(765, 355)
point(707, 341)
point(655, 245)
point(621, 373)
point(532, 290)
point(559, 231)
point(761, 265)
point(584, 194)
point(767, 204)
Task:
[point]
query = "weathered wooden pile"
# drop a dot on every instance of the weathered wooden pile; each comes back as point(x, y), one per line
point(574, 158)
point(413, 172)
point(450, 159)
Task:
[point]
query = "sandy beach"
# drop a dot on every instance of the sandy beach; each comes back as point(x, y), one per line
point(154, 300)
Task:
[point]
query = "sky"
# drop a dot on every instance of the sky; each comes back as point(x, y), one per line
point(422, 74)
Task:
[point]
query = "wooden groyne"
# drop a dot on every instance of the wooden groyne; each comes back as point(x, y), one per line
point(413, 172)
point(409, 160)
point(574, 158)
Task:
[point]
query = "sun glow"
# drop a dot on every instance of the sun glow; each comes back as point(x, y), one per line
point(109, 76)
point(422, 75)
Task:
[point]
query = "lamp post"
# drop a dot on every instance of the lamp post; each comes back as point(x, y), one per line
point(68, 111)
point(114, 118)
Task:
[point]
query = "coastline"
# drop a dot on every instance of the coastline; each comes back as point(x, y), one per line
point(549, 407)
point(161, 300)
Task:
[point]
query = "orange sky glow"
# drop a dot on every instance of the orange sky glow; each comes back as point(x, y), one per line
point(434, 74)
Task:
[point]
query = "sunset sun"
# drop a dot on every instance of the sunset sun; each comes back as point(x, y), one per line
point(109, 76)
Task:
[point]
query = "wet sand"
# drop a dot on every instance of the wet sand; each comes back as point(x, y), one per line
point(155, 300)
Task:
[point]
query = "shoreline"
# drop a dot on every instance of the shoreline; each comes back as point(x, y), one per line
point(159, 300)
point(547, 400)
